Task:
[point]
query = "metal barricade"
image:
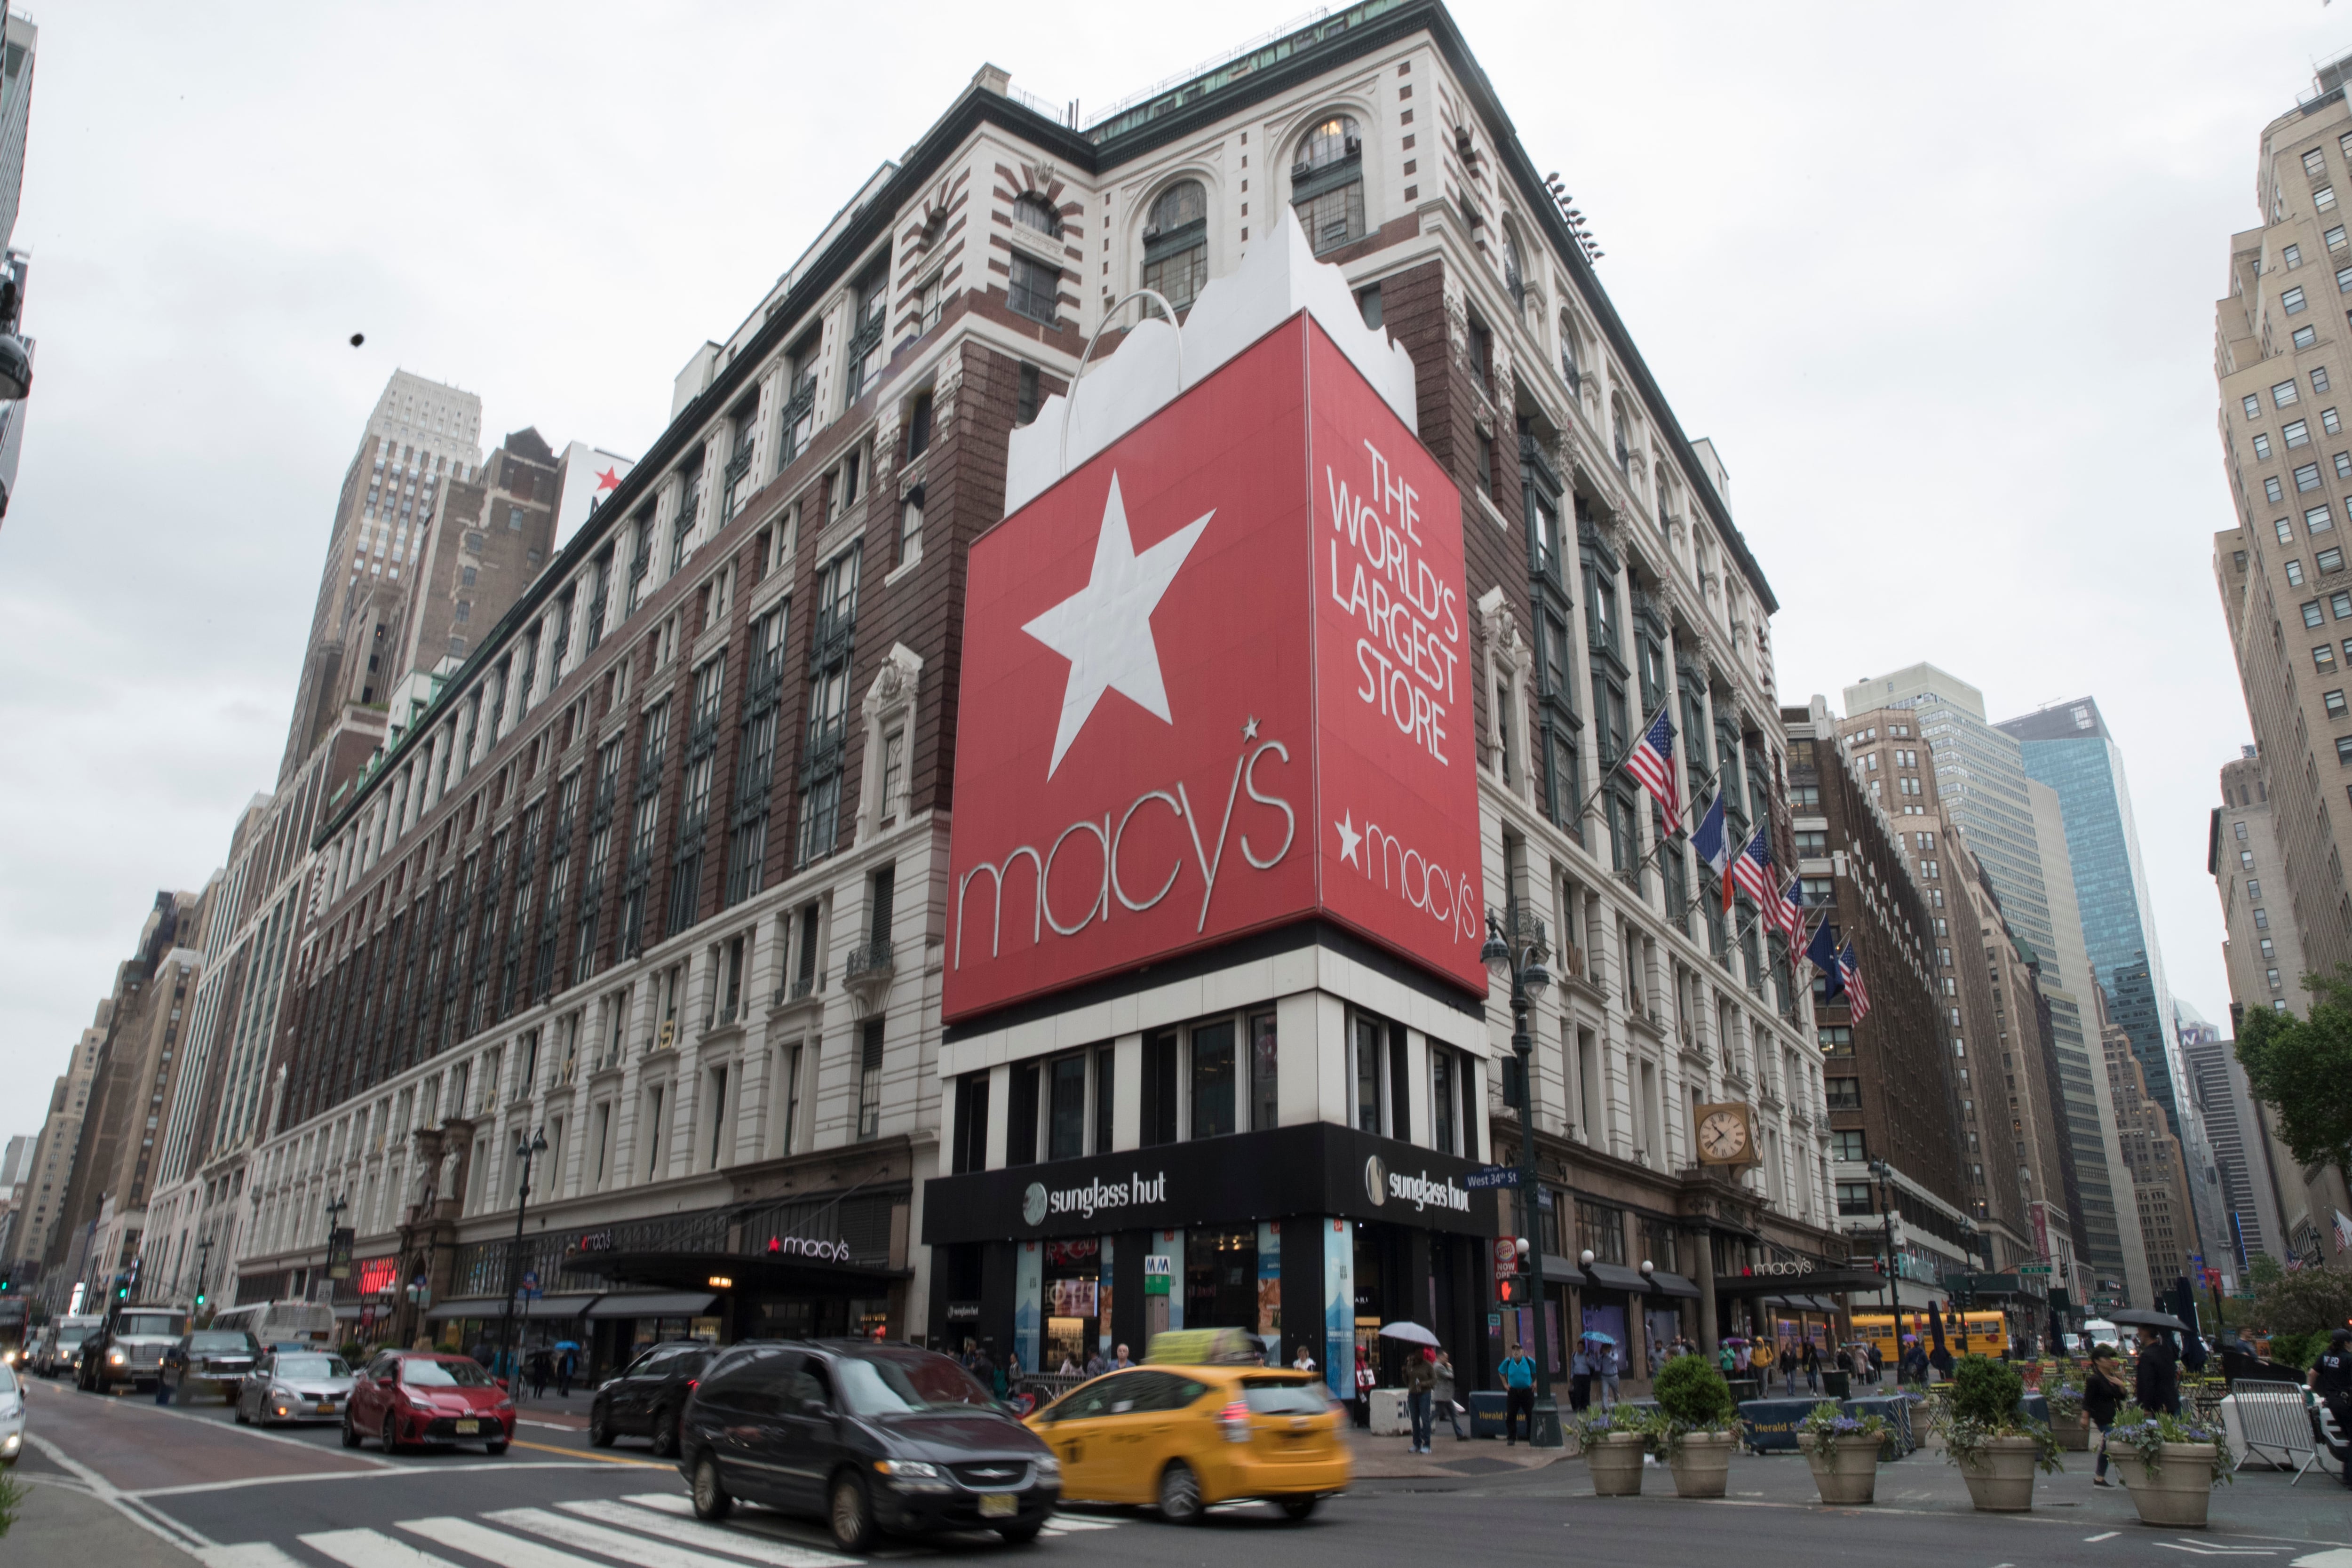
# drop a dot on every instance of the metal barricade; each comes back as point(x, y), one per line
point(2276, 1423)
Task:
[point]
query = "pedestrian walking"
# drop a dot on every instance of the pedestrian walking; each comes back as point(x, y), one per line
point(1580, 1378)
point(1364, 1379)
point(2103, 1394)
point(1813, 1359)
point(1725, 1360)
point(2331, 1379)
point(1604, 1371)
point(2157, 1384)
point(567, 1367)
point(542, 1367)
point(1096, 1363)
point(1442, 1392)
point(1419, 1383)
point(1122, 1360)
point(1519, 1375)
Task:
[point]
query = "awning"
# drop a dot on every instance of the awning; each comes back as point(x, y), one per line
point(653, 1304)
point(466, 1307)
point(1617, 1277)
point(752, 1274)
point(557, 1306)
point(1665, 1284)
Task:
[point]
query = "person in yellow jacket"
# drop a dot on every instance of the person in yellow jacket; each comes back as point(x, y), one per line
point(1759, 1359)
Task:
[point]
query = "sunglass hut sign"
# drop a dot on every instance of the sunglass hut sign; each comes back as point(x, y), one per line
point(1214, 680)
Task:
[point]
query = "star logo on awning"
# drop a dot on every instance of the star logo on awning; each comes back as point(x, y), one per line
point(1105, 628)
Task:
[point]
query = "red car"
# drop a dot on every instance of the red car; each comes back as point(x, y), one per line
point(406, 1397)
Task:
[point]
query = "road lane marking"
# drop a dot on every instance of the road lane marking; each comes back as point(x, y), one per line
point(396, 1473)
point(248, 1554)
point(695, 1532)
point(497, 1546)
point(599, 1458)
point(1071, 1523)
point(642, 1551)
point(155, 1523)
point(2108, 1536)
point(371, 1549)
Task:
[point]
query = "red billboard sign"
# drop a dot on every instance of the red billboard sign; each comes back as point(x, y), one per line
point(1217, 679)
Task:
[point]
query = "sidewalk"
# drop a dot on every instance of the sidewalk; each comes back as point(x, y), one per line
point(1390, 1458)
point(571, 1414)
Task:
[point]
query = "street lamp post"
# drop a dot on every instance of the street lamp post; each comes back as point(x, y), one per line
point(1520, 962)
point(335, 1207)
point(1885, 1174)
point(204, 1257)
point(527, 1146)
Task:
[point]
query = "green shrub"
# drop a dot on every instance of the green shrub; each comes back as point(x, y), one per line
point(2298, 1351)
point(1986, 1391)
point(1694, 1396)
point(12, 1500)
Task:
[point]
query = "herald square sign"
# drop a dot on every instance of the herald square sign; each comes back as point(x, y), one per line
point(1215, 681)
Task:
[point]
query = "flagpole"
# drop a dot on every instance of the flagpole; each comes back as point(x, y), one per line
point(1609, 774)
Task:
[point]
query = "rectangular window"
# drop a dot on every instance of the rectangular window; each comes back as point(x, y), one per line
point(1066, 1098)
point(2293, 257)
point(2306, 478)
point(869, 1081)
point(1033, 287)
point(968, 1149)
point(2319, 378)
point(2334, 703)
point(2261, 916)
point(1265, 1067)
point(1027, 396)
point(2344, 465)
point(1844, 1093)
point(2262, 445)
point(2324, 199)
point(1106, 1095)
point(2294, 574)
point(1442, 1098)
point(1602, 1228)
point(1213, 1079)
point(2329, 559)
point(2296, 433)
point(2335, 237)
point(1846, 1144)
point(1836, 1039)
point(2252, 405)
point(2318, 520)
point(2305, 337)
point(2293, 304)
point(2273, 491)
point(1368, 1042)
point(1158, 1087)
point(2314, 163)
point(2285, 392)
point(2323, 657)
point(2339, 604)
point(2285, 529)
point(1853, 1198)
point(2344, 750)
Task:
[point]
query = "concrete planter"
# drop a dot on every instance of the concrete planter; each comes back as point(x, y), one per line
point(1704, 1466)
point(1847, 1475)
point(2073, 1432)
point(1616, 1463)
point(2001, 1480)
point(2176, 1497)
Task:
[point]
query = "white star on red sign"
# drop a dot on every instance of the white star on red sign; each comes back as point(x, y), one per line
point(1348, 838)
point(1105, 628)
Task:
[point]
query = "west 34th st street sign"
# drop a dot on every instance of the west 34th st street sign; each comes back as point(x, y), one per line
point(1217, 679)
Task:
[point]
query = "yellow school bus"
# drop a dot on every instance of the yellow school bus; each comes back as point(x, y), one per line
point(1981, 1332)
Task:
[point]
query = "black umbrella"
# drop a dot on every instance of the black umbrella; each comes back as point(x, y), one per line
point(2192, 1348)
point(1939, 1358)
point(2134, 1318)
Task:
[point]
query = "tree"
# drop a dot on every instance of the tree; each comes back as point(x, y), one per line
point(2301, 1069)
point(2304, 1301)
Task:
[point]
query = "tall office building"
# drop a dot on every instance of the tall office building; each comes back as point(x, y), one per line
point(2158, 1176)
point(2013, 825)
point(2241, 1152)
point(2281, 346)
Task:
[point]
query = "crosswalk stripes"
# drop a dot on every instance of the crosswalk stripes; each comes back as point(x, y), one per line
point(691, 1532)
point(657, 1530)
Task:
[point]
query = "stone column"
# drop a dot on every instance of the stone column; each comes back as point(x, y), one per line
point(1703, 1240)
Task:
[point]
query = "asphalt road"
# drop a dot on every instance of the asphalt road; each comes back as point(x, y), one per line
point(119, 1483)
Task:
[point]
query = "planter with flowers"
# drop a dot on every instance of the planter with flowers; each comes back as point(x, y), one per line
point(2067, 1422)
point(1699, 1426)
point(1844, 1453)
point(2181, 1463)
point(1997, 1446)
point(1615, 1443)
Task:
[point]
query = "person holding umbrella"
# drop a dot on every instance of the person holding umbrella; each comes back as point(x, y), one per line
point(1420, 1377)
point(2156, 1383)
point(1939, 1358)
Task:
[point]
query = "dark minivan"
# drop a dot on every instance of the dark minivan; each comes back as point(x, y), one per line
point(868, 1437)
point(646, 1398)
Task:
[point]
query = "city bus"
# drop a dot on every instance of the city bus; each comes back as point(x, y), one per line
point(1978, 1332)
point(282, 1322)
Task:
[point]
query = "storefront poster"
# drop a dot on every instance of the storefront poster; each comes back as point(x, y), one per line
point(1172, 1242)
point(1028, 1291)
point(1269, 1287)
point(1339, 1308)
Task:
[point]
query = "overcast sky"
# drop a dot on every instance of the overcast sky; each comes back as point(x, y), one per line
point(1938, 284)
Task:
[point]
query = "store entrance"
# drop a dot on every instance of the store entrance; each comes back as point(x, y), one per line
point(1221, 1277)
point(1076, 1304)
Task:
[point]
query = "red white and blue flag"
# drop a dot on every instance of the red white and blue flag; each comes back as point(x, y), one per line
point(1751, 873)
point(1857, 996)
point(1789, 916)
point(1707, 839)
point(1652, 761)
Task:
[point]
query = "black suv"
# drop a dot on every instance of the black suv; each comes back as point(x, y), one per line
point(646, 1398)
point(216, 1360)
point(868, 1437)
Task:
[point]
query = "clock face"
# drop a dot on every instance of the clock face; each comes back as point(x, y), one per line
point(1723, 1135)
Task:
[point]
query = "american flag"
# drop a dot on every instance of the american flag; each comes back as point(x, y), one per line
point(1751, 873)
point(1652, 761)
point(1857, 996)
point(1789, 916)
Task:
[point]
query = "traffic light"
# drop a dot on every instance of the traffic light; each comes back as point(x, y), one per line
point(200, 1298)
point(1503, 1289)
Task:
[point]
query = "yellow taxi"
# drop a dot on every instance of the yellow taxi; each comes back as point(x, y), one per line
point(1185, 1434)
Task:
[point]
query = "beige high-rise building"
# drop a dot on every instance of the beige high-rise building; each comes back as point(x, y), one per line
point(2160, 1177)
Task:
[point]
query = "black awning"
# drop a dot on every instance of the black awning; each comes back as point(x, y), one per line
point(1827, 1280)
point(758, 1274)
point(1665, 1284)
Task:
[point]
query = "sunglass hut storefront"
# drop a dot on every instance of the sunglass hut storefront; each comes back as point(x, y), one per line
point(1215, 1049)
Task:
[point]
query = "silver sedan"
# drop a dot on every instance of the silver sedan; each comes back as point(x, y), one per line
point(293, 1386)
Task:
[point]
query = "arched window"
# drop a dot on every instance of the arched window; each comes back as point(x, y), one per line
point(1326, 183)
point(1515, 277)
point(1176, 243)
point(1568, 365)
point(1034, 213)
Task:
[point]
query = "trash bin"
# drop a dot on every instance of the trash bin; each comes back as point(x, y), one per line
point(1745, 1389)
point(1837, 1385)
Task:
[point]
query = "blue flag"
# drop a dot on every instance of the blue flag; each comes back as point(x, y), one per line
point(1712, 852)
point(1822, 953)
